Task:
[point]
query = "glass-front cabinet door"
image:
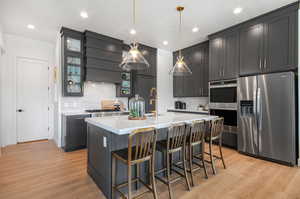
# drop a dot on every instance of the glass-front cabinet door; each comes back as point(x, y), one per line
point(74, 75)
point(73, 44)
point(72, 65)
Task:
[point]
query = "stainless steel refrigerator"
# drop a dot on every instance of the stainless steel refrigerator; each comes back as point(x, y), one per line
point(267, 116)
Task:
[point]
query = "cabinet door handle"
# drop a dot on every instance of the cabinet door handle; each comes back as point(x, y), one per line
point(223, 72)
point(259, 63)
point(265, 63)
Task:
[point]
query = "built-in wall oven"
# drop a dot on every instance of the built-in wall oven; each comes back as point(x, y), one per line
point(223, 103)
point(223, 94)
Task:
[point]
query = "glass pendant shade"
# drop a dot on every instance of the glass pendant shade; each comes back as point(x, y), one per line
point(134, 59)
point(180, 68)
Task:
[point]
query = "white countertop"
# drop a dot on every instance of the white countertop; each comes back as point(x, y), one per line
point(121, 125)
point(188, 110)
point(83, 112)
point(74, 112)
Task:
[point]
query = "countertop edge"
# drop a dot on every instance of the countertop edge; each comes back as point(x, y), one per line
point(127, 131)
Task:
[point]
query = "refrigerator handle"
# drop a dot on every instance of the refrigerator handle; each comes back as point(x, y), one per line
point(259, 107)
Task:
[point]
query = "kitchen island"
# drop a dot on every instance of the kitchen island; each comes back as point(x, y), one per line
point(109, 134)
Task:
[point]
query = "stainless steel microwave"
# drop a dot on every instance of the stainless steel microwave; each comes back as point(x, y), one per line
point(223, 94)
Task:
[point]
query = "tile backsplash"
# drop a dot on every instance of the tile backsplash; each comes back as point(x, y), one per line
point(94, 93)
point(192, 102)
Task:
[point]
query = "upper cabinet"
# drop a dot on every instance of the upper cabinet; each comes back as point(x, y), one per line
point(72, 62)
point(251, 49)
point(269, 43)
point(195, 85)
point(224, 55)
point(103, 55)
point(265, 44)
point(281, 42)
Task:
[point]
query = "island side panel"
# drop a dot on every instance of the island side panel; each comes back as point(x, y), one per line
point(99, 157)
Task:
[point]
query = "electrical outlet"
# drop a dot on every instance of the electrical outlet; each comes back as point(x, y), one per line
point(104, 142)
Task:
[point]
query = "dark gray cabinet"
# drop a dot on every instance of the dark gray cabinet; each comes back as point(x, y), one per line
point(142, 86)
point(251, 49)
point(103, 55)
point(280, 42)
point(195, 85)
point(269, 43)
point(143, 81)
point(265, 44)
point(74, 133)
point(215, 58)
point(224, 55)
point(72, 62)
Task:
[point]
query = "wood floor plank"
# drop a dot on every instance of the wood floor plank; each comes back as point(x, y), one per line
point(39, 170)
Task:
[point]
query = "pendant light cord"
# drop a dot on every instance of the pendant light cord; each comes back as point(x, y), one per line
point(180, 23)
point(134, 14)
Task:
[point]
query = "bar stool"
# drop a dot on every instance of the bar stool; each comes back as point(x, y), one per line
point(215, 134)
point(196, 138)
point(176, 142)
point(141, 148)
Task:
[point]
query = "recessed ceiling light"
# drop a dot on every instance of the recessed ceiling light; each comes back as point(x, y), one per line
point(165, 43)
point(84, 14)
point(30, 26)
point(133, 31)
point(195, 29)
point(237, 10)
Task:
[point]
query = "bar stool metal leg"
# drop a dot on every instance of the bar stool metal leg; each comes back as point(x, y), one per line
point(221, 153)
point(202, 160)
point(212, 158)
point(169, 163)
point(152, 177)
point(184, 168)
point(129, 181)
point(191, 163)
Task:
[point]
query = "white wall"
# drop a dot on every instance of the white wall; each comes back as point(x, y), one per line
point(164, 80)
point(1, 60)
point(20, 47)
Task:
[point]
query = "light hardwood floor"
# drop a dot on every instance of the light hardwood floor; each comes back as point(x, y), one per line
point(41, 170)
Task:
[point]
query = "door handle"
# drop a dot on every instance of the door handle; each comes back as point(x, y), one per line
point(20, 110)
point(259, 109)
point(259, 63)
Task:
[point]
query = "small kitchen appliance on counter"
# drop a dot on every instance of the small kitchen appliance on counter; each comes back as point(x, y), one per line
point(180, 105)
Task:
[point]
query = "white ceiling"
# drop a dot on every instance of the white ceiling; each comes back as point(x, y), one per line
point(157, 20)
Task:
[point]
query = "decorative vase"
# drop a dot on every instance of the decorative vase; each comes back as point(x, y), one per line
point(137, 108)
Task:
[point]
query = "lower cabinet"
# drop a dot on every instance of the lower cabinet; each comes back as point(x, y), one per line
point(74, 133)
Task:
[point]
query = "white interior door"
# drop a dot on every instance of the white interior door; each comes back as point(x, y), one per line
point(32, 100)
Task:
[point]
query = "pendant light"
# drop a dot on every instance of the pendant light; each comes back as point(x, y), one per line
point(180, 68)
point(134, 59)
